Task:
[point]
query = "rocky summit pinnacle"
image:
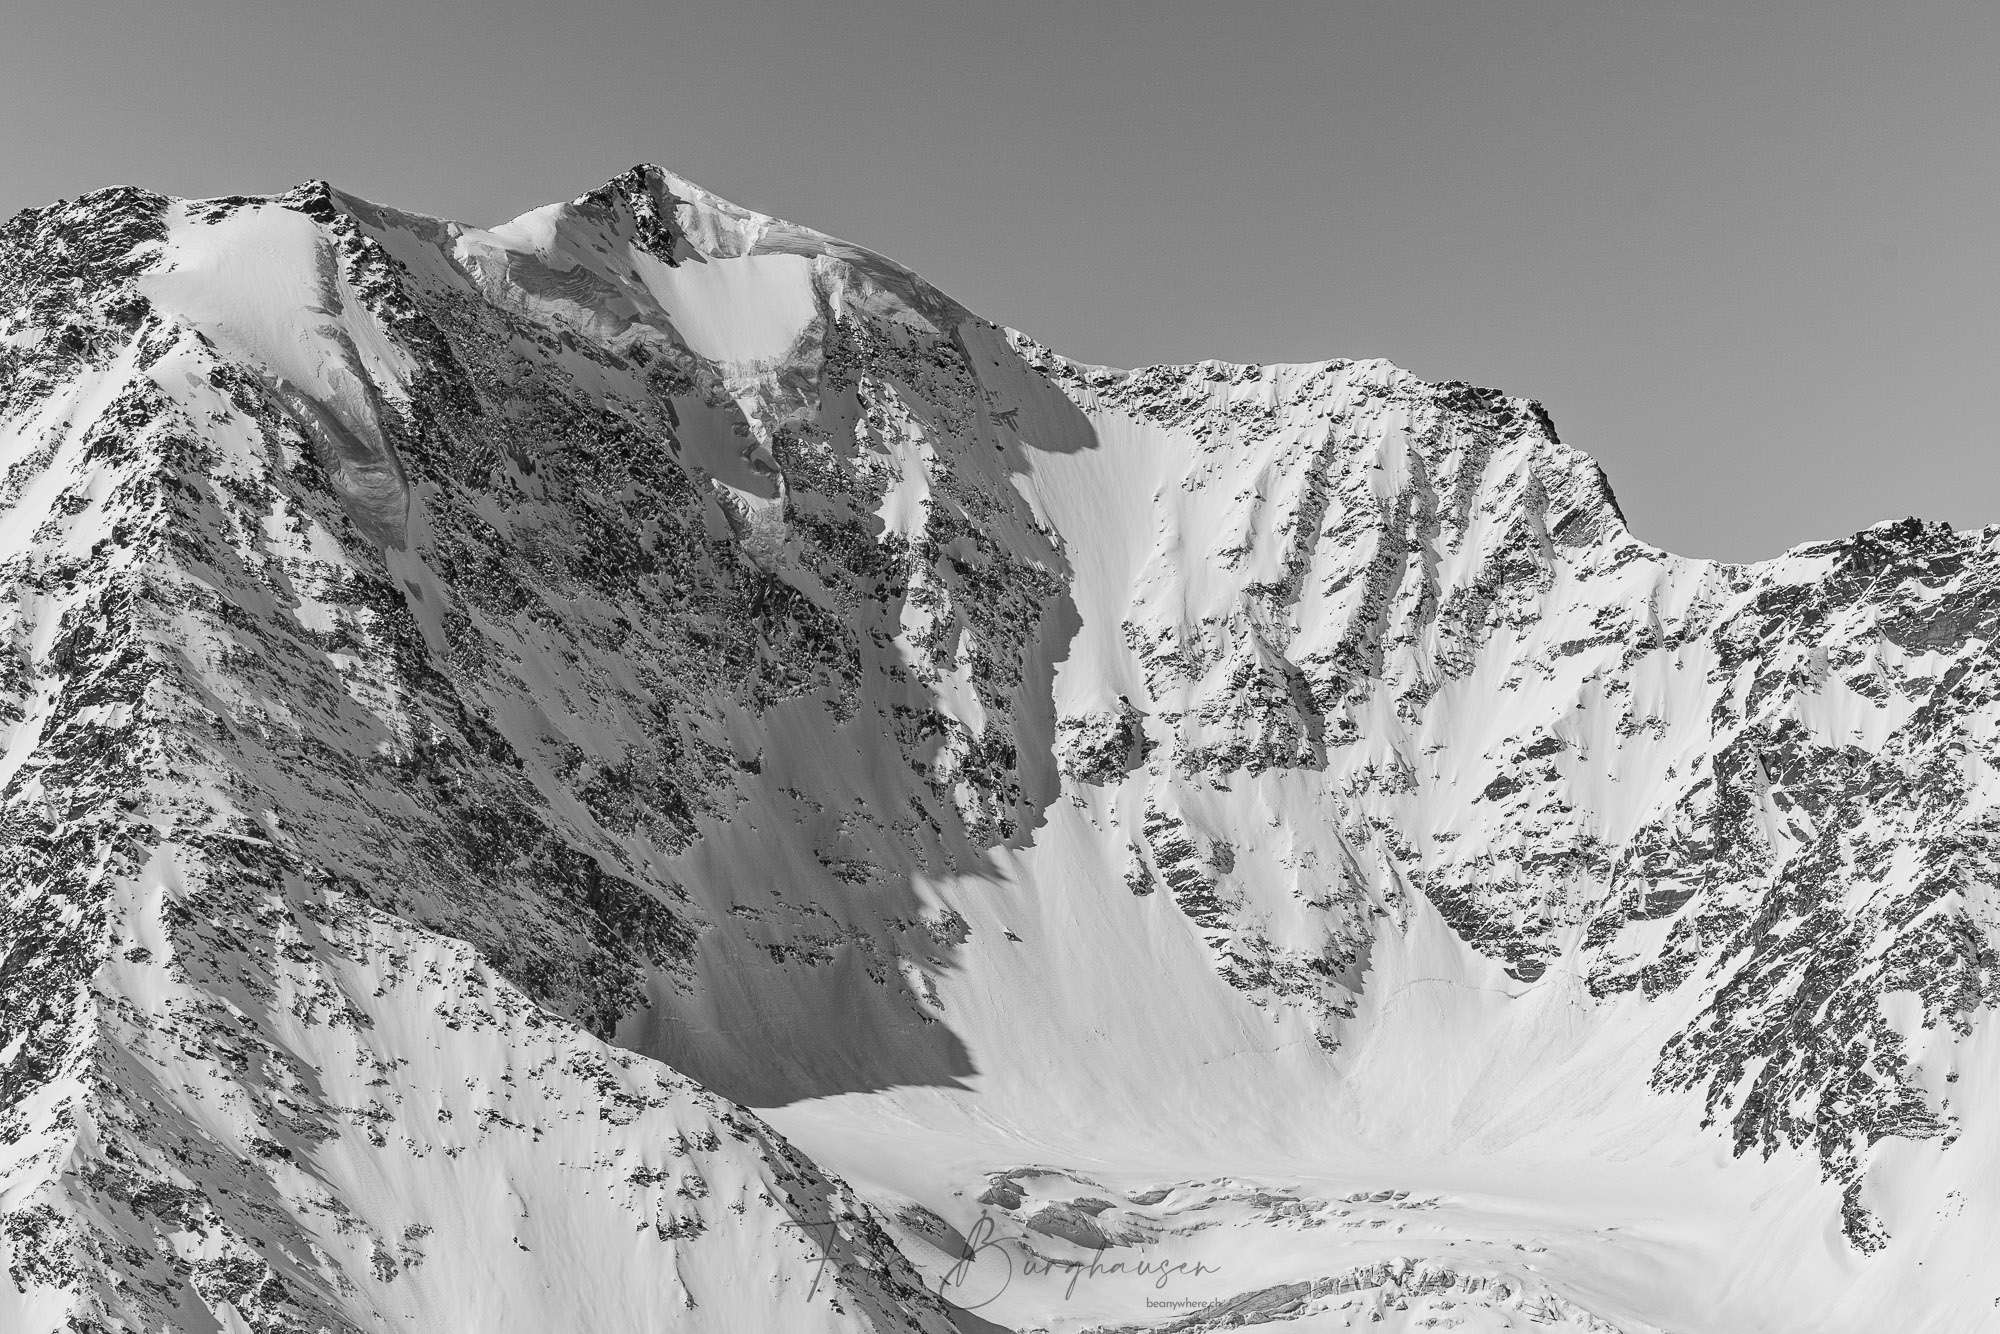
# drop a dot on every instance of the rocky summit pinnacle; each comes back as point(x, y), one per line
point(643, 768)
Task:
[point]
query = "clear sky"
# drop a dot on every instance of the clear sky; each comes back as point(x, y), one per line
point(1745, 252)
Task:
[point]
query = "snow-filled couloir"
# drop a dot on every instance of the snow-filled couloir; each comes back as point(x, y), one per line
point(645, 769)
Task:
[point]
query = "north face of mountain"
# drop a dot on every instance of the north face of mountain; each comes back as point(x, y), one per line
point(486, 707)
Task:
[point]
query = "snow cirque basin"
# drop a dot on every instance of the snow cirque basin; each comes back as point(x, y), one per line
point(643, 768)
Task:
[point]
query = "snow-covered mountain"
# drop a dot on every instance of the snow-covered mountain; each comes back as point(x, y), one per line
point(645, 769)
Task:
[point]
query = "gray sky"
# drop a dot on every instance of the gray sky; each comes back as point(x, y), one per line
point(1746, 253)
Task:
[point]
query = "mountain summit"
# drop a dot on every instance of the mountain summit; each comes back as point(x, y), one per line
point(643, 768)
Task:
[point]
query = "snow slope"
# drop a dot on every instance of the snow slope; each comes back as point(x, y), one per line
point(643, 768)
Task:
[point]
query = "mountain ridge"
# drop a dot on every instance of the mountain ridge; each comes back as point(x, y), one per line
point(732, 675)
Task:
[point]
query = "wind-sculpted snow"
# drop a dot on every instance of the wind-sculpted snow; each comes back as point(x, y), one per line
point(485, 707)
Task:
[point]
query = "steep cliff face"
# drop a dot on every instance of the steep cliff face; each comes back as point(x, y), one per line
point(483, 707)
point(285, 895)
point(1763, 787)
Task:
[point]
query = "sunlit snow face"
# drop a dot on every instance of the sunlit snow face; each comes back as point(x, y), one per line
point(738, 310)
point(1271, 821)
